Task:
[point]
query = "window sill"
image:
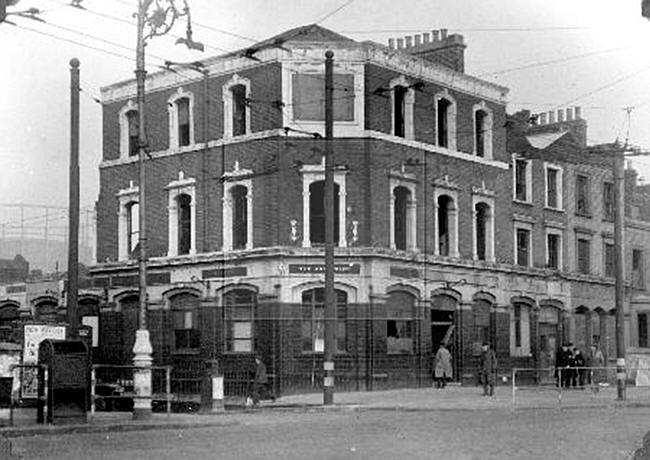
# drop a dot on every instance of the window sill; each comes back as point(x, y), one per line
point(583, 214)
point(238, 353)
point(551, 208)
point(525, 203)
point(398, 354)
point(186, 352)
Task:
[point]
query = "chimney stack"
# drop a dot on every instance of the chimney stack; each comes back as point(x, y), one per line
point(425, 38)
point(560, 115)
point(542, 118)
point(400, 43)
point(416, 39)
point(408, 39)
point(551, 117)
point(577, 110)
point(569, 114)
point(443, 34)
point(436, 35)
point(391, 43)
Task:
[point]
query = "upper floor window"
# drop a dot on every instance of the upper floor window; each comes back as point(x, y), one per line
point(608, 201)
point(582, 194)
point(446, 226)
point(308, 97)
point(402, 216)
point(608, 260)
point(185, 321)
point(445, 114)
point(402, 98)
point(239, 315)
point(129, 132)
point(182, 216)
point(522, 180)
point(237, 212)
point(313, 320)
point(128, 231)
point(236, 110)
point(553, 182)
point(642, 323)
point(638, 276)
point(482, 130)
point(313, 195)
point(523, 246)
point(483, 230)
point(317, 212)
point(181, 119)
point(584, 254)
point(554, 249)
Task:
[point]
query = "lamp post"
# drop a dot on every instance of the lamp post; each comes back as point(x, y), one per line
point(155, 18)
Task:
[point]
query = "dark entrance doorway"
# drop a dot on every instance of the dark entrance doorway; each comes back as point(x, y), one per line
point(442, 331)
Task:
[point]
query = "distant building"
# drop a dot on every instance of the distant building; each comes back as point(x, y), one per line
point(12, 270)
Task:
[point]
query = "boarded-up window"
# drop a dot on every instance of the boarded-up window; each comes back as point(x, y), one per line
point(399, 325)
point(309, 97)
point(239, 313)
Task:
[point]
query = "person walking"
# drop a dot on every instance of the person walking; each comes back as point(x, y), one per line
point(579, 363)
point(260, 382)
point(442, 368)
point(597, 361)
point(488, 369)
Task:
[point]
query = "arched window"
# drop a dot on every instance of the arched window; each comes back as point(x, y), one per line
point(132, 132)
point(400, 312)
point(185, 321)
point(238, 94)
point(444, 119)
point(317, 212)
point(183, 117)
point(399, 108)
point(520, 329)
point(132, 227)
point(46, 311)
point(183, 203)
point(480, 127)
point(482, 220)
point(402, 200)
point(446, 225)
point(8, 318)
point(239, 314)
point(239, 194)
point(313, 325)
point(481, 327)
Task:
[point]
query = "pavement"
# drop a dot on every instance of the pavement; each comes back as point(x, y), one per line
point(452, 398)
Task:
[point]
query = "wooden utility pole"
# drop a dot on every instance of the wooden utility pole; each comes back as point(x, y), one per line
point(330, 301)
point(72, 293)
point(619, 266)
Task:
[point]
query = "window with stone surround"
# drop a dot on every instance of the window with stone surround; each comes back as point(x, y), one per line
point(181, 119)
point(402, 100)
point(608, 201)
point(128, 230)
point(239, 307)
point(400, 312)
point(523, 245)
point(129, 132)
point(445, 120)
point(182, 216)
point(522, 180)
point(313, 320)
point(582, 195)
point(583, 255)
point(520, 329)
point(236, 107)
point(482, 131)
point(553, 181)
point(185, 322)
point(554, 248)
point(483, 238)
point(608, 259)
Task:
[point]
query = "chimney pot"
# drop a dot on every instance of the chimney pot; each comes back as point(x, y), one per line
point(400, 43)
point(436, 35)
point(391, 43)
point(409, 41)
point(542, 118)
point(560, 115)
point(425, 37)
point(569, 114)
point(577, 112)
point(551, 117)
point(443, 34)
point(417, 39)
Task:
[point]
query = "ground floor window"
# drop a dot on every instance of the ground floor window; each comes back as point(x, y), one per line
point(185, 321)
point(399, 325)
point(313, 320)
point(239, 313)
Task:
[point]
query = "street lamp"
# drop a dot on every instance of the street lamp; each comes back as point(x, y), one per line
point(155, 18)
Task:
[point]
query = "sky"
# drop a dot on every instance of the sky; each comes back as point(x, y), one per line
point(550, 53)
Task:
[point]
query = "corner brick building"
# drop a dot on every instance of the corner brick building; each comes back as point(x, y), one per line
point(438, 239)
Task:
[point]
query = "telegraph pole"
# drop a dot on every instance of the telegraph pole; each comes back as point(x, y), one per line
point(330, 301)
point(72, 294)
point(619, 265)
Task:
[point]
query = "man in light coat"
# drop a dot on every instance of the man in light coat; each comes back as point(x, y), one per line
point(442, 369)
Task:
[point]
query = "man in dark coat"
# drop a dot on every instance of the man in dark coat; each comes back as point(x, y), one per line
point(260, 382)
point(488, 370)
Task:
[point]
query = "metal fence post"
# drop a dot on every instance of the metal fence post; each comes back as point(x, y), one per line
point(93, 382)
point(514, 387)
point(559, 388)
point(168, 388)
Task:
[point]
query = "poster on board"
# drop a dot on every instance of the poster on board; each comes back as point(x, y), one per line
point(34, 335)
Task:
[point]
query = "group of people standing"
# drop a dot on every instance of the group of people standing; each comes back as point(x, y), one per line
point(442, 372)
point(574, 369)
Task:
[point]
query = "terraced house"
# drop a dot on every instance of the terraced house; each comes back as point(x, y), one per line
point(453, 222)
